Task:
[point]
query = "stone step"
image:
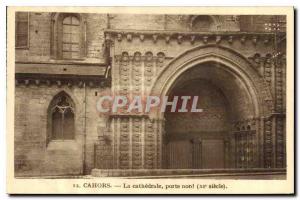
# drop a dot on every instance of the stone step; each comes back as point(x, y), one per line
point(164, 173)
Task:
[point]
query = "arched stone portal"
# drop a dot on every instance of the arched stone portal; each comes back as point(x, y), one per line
point(239, 111)
point(196, 140)
point(206, 140)
point(224, 80)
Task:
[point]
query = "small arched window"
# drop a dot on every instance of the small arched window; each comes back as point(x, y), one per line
point(71, 38)
point(61, 114)
point(202, 23)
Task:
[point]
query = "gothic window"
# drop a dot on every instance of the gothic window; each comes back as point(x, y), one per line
point(62, 126)
point(22, 29)
point(71, 38)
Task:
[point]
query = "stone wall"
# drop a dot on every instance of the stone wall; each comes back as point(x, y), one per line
point(33, 156)
point(41, 44)
point(39, 39)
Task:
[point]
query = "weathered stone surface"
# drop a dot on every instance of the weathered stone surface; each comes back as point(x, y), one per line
point(142, 55)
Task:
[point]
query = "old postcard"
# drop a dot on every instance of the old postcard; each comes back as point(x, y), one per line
point(164, 100)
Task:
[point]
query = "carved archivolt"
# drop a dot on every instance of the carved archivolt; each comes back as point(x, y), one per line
point(259, 92)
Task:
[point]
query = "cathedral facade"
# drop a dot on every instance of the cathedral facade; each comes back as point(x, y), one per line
point(64, 62)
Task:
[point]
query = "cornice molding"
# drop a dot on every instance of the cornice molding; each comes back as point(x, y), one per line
point(119, 35)
point(61, 80)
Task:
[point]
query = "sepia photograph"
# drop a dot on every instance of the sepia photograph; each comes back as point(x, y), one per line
point(172, 99)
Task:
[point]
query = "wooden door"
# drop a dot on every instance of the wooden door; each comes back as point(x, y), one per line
point(212, 154)
point(180, 154)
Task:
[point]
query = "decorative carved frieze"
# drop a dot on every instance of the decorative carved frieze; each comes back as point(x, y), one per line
point(245, 125)
point(137, 70)
point(268, 144)
point(91, 84)
point(124, 157)
point(179, 39)
point(167, 38)
point(70, 84)
point(119, 37)
point(254, 40)
point(26, 82)
point(124, 75)
point(243, 39)
point(48, 83)
point(230, 39)
point(148, 71)
point(280, 142)
point(192, 37)
point(137, 144)
point(268, 68)
point(218, 39)
point(37, 82)
point(129, 37)
point(160, 61)
point(264, 66)
point(137, 73)
point(256, 61)
point(60, 82)
point(205, 39)
point(154, 37)
point(150, 144)
point(80, 84)
point(279, 82)
point(142, 37)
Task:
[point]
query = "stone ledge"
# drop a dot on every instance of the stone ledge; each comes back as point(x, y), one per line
point(178, 172)
point(60, 69)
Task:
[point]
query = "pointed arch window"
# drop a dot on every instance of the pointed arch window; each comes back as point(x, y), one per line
point(62, 118)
